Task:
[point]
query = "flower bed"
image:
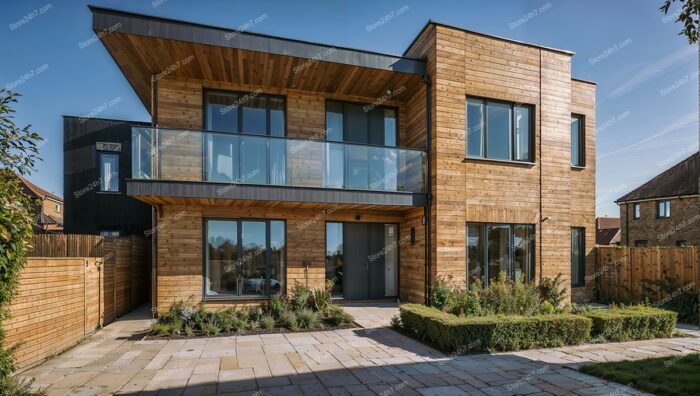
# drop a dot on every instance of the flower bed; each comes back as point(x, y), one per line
point(632, 323)
point(464, 334)
point(305, 309)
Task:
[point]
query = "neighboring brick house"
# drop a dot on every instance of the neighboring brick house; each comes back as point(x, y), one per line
point(49, 214)
point(607, 231)
point(665, 211)
point(272, 162)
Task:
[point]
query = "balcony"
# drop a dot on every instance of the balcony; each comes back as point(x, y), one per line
point(245, 166)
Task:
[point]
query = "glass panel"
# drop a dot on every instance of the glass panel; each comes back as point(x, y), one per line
point(376, 127)
point(221, 277)
point(576, 256)
point(335, 165)
point(380, 172)
point(391, 260)
point(357, 122)
point(141, 153)
point(523, 251)
point(637, 211)
point(498, 131)
point(253, 159)
point(334, 256)
point(475, 122)
point(277, 123)
point(522, 134)
point(476, 271)
point(222, 111)
point(277, 257)
point(278, 161)
point(109, 172)
point(498, 250)
point(575, 141)
point(390, 127)
point(357, 171)
point(254, 114)
point(334, 121)
point(252, 262)
point(221, 158)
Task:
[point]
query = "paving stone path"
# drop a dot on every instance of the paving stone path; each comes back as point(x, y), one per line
point(370, 361)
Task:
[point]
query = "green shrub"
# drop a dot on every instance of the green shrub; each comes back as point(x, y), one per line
point(489, 333)
point(276, 305)
point(322, 297)
point(465, 303)
point(684, 298)
point(507, 297)
point(300, 297)
point(337, 316)
point(632, 323)
point(441, 292)
point(267, 322)
point(209, 325)
point(307, 318)
point(552, 290)
point(288, 320)
point(13, 386)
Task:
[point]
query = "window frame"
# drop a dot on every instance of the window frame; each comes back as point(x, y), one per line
point(581, 141)
point(667, 211)
point(100, 154)
point(638, 242)
point(635, 215)
point(511, 138)
point(345, 121)
point(682, 243)
point(581, 265)
point(58, 207)
point(529, 276)
point(239, 110)
point(239, 237)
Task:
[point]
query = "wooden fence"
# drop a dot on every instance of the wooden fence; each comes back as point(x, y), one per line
point(63, 299)
point(621, 270)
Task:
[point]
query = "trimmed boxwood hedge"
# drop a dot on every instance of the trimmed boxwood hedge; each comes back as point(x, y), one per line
point(463, 334)
point(632, 323)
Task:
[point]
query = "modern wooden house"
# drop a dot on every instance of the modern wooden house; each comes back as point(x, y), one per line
point(665, 211)
point(272, 162)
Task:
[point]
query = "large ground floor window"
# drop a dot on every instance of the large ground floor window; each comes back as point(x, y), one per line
point(244, 258)
point(495, 248)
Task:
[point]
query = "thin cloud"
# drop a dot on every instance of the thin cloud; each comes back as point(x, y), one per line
point(685, 121)
point(659, 67)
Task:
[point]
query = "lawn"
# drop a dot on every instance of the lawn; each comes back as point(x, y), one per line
point(660, 376)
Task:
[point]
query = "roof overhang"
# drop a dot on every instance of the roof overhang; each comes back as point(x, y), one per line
point(144, 46)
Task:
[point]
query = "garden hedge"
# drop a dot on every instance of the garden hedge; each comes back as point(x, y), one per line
point(493, 333)
point(632, 323)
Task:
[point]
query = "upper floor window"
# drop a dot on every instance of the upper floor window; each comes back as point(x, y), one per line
point(58, 208)
point(663, 209)
point(252, 113)
point(637, 211)
point(641, 243)
point(361, 123)
point(499, 130)
point(109, 171)
point(578, 152)
point(682, 243)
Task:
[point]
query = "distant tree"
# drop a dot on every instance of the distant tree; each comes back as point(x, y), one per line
point(689, 15)
point(18, 154)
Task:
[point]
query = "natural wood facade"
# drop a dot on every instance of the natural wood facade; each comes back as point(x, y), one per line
point(547, 192)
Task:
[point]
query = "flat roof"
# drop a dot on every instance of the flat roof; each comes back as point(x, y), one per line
point(436, 23)
point(112, 20)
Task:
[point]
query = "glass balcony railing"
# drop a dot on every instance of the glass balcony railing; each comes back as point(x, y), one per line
point(220, 157)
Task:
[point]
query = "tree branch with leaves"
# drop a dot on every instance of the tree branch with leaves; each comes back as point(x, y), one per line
point(689, 16)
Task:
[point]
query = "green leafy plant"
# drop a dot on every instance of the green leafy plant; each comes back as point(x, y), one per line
point(337, 316)
point(18, 154)
point(465, 303)
point(300, 297)
point(442, 292)
point(552, 290)
point(276, 305)
point(669, 293)
point(689, 16)
point(288, 320)
point(267, 322)
point(322, 297)
point(638, 322)
point(307, 318)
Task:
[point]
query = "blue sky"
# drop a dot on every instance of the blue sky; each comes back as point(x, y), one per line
point(647, 75)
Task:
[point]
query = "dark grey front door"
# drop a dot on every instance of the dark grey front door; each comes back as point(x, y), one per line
point(364, 246)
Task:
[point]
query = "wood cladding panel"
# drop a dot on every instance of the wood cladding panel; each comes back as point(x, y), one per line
point(181, 246)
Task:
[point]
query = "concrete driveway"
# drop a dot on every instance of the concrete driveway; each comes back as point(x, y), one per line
point(373, 361)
